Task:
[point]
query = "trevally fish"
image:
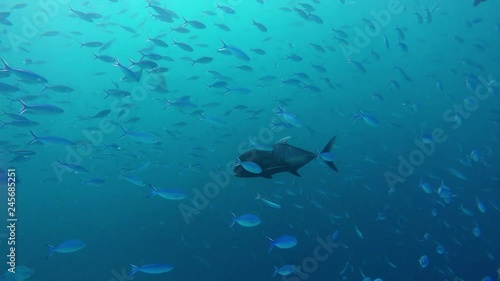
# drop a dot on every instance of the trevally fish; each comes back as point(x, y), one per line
point(283, 158)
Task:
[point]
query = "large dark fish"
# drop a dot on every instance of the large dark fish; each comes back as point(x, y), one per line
point(477, 2)
point(282, 158)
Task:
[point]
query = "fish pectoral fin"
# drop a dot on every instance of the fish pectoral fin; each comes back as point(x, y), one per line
point(295, 172)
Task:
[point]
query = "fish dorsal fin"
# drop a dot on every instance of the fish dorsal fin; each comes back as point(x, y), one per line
point(284, 140)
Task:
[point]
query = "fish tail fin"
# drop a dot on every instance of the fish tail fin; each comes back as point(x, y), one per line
point(273, 125)
point(272, 243)
point(140, 52)
point(280, 110)
point(224, 45)
point(318, 154)
point(227, 90)
point(275, 271)
point(3, 124)
point(24, 107)
point(95, 56)
point(35, 138)
point(168, 103)
point(44, 88)
point(124, 131)
point(153, 192)
point(194, 62)
point(117, 62)
point(356, 117)
point(6, 66)
point(51, 251)
point(234, 219)
point(327, 148)
point(131, 61)
point(258, 196)
point(133, 269)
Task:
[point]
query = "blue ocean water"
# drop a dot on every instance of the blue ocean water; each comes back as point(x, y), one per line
point(409, 88)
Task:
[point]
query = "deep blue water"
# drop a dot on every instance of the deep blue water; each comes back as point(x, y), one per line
point(408, 87)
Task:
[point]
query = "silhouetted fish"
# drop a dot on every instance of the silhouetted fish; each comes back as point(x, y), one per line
point(282, 158)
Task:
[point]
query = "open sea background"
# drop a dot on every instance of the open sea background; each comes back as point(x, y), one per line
point(384, 225)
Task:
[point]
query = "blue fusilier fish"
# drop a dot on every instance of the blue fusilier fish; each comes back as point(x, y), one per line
point(282, 158)
point(65, 247)
point(246, 220)
point(285, 270)
point(74, 168)
point(50, 140)
point(129, 74)
point(156, 268)
point(283, 242)
point(423, 261)
point(25, 75)
point(237, 52)
point(170, 194)
point(40, 108)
